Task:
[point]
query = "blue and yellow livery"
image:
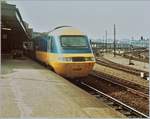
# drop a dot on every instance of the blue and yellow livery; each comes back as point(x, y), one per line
point(67, 51)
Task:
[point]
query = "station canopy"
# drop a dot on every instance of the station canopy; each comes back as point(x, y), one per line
point(14, 31)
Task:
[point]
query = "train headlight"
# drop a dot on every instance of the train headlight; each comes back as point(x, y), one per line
point(65, 59)
point(89, 59)
point(69, 59)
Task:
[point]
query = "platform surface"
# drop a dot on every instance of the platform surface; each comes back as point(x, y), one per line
point(124, 61)
point(28, 89)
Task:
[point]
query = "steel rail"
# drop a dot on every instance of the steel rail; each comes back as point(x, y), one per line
point(136, 112)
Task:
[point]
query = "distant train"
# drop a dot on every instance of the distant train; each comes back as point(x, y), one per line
point(66, 50)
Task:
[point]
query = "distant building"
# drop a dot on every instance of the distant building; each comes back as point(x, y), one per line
point(122, 43)
point(140, 43)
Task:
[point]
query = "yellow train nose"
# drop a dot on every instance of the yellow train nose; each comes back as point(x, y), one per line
point(73, 69)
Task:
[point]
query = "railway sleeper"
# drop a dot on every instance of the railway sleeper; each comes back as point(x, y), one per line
point(110, 103)
point(118, 108)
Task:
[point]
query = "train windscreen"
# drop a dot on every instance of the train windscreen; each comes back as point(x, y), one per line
point(74, 41)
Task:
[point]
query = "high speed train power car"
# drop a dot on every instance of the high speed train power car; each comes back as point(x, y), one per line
point(66, 50)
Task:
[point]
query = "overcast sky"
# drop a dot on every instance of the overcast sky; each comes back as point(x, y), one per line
point(132, 18)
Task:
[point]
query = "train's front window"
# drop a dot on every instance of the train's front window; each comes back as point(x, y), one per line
point(74, 41)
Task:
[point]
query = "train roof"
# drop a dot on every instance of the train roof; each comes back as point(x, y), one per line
point(66, 30)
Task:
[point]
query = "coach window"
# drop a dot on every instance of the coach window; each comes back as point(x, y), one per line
point(52, 43)
point(49, 44)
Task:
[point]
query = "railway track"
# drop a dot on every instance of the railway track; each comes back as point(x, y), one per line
point(108, 63)
point(129, 101)
point(124, 83)
point(118, 105)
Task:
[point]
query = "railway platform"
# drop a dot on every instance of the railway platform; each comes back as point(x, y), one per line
point(28, 89)
point(124, 61)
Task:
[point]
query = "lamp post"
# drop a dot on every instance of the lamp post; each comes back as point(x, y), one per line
point(130, 58)
point(106, 41)
point(103, 44)
point(114, 40)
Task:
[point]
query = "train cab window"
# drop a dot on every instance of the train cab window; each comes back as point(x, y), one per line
point(74, 41)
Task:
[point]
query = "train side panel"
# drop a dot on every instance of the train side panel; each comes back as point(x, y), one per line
point(42, 56)
point(41, 49)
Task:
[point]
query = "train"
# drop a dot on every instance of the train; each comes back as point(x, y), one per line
point(66, 50)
